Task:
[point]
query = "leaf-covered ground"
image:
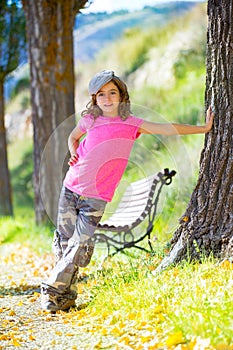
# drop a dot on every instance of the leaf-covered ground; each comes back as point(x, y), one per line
point(25, 326)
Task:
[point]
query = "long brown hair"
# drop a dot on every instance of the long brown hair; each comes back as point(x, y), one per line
point(124, 106)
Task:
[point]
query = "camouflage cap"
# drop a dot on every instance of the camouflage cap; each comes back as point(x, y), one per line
point(99, 80)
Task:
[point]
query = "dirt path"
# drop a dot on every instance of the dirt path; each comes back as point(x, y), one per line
point(23, 324)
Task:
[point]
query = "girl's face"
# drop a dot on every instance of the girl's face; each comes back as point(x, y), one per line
point(108, 99)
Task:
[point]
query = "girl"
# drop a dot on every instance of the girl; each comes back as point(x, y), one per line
point(97, 163)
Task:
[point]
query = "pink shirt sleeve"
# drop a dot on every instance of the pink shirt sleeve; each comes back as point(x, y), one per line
point(85, 122)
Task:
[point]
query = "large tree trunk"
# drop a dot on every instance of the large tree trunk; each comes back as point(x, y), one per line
point(50, 46)
point(207, 225)
point(5, 188)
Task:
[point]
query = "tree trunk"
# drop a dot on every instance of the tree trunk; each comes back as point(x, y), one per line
point(5, 188)
point(207, 225)
point(50, 46)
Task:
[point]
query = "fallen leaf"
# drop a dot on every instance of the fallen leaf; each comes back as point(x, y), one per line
point(175, 339)
point(12, 313)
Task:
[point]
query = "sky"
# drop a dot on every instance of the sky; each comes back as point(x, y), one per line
point(130, 5)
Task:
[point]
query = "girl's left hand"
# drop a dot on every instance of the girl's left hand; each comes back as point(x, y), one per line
point(209, 119)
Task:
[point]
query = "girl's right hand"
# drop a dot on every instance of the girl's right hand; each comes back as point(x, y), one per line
point(73, 160)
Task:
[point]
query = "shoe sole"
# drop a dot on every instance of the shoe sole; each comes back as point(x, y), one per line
point(54, 308)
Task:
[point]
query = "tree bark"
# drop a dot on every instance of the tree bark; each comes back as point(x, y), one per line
point(5, 187)
point(50, 46)
point(207, 225)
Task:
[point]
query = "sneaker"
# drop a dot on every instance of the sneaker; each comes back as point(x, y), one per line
point(55, 303)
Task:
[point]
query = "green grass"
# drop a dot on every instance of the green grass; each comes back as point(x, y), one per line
point(22, 229)
point(187, 304)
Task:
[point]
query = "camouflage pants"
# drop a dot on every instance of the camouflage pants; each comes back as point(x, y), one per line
point(73, 242)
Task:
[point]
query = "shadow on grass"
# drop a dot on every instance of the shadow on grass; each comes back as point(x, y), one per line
point(22, 289)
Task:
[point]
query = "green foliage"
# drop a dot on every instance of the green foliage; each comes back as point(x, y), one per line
point(190, 60)
point(25, 101)
point(132, 50)
point(21, 85)
point(12, 36)
point(182, 103)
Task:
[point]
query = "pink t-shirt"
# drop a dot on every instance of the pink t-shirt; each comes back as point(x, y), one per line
point(103, 155)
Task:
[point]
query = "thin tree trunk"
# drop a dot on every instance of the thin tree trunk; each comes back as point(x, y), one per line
point(5, 188)
point(207, 225)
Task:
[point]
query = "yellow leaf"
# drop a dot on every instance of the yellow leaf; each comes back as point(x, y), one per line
point(131, 316)
point(175, 271)
point(32, 299)
point(185, 347)
point(12, 313)
point(151, 267)
point(4, 337)
point(98, 345)
point(227, 265)
point(116, 331)
point(80, 288)
point(185, 219)
point(146, 338)
point(36, 273)
point(121, 325)
point(224, 347)
point(104, 331)
point(175, 339)
point(31, 337)
point(125, 339)
point(158, 309)
point(15, 342)
point(58, 333)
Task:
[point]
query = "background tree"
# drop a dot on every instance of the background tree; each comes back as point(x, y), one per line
point(50, 46)
point(207, 225)
point(12, 42)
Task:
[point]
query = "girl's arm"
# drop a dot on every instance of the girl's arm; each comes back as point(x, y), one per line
point(177, 129)
point(73, 142)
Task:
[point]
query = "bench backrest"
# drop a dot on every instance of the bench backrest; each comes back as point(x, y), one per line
point(135, 204)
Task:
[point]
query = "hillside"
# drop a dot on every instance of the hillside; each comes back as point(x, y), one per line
point(95, 31)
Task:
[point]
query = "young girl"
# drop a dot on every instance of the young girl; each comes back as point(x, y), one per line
point(97, 163)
